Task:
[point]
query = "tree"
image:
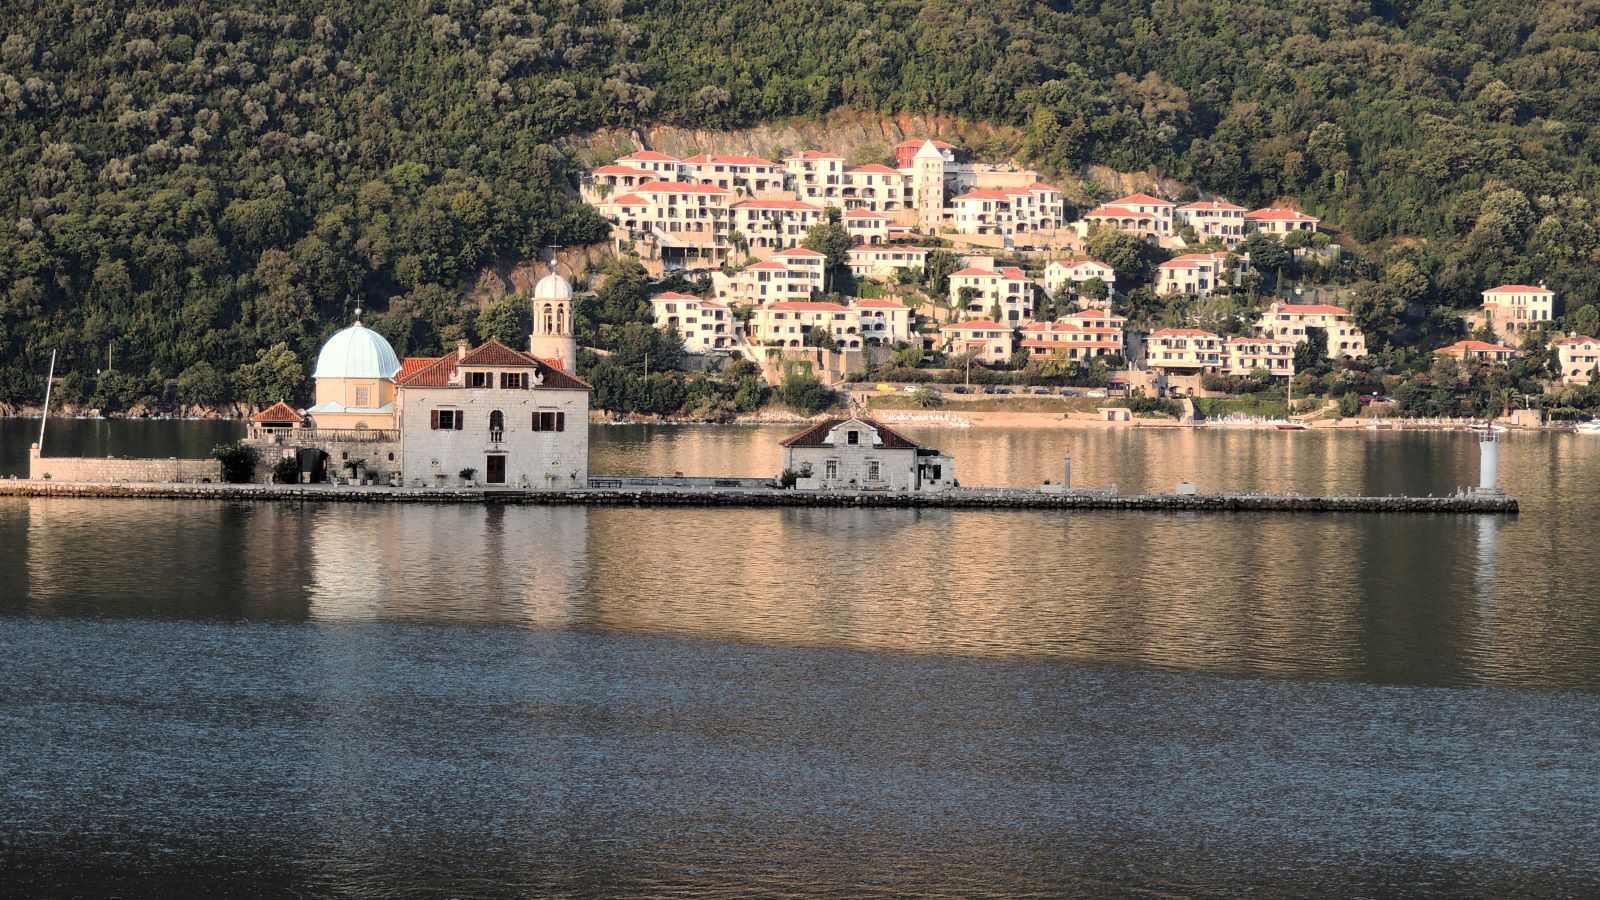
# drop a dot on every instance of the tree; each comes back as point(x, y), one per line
point(1128, 254)
point(965, 297)
point(508, 320)
point(275, 375)
point(1093, 289)
point(1311, 354)
point(830, 238)
point(1267, 255)
point(1586, 320)
point(201, 384)
point(819, 336)
point(802, 391)
point(936, 271)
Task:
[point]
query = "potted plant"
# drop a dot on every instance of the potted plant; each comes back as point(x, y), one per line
point(356, 466)
point(466, 476)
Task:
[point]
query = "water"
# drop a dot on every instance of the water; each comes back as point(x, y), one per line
point(203, 697)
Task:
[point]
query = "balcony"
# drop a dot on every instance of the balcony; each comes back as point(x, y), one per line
point(314, 436)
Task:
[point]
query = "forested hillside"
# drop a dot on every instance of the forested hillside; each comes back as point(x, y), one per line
point(191, 183)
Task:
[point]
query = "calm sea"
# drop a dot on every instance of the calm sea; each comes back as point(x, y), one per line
point(376, 701)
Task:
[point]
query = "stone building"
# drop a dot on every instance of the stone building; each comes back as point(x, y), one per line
point(862, 454)
point(515, 419)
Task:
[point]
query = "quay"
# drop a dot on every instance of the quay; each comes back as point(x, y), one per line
point(743, 493)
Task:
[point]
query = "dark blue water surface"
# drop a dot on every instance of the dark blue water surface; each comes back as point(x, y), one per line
point(202, 698)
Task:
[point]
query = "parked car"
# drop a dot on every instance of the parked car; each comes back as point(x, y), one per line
point(1004, 391)
point(959, 389)
point(1364, 399)
point(991, 390)
point(911, 388)
point(1068, 392)
point(1043, 391)
point(1098, 395)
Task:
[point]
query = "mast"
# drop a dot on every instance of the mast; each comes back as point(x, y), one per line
point(49, 382)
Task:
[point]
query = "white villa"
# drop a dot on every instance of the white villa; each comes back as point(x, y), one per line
point(1140, 214)
point(1215, 219)
point(863, 454)
point(1579, 356)
point(1199, 273)
point(883, 262)
point(704, 325)
point(1079, 336)
point(1289, 321)
point(1513, 310)
point(1006, 287)
point(992, 342)
point(1066, 274)
point(1247, 354)
point(1280, 221)
point(1183, 351)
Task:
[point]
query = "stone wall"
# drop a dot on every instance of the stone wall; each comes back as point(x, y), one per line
point(111, 469)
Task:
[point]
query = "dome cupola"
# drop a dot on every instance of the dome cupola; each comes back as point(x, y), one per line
point(357, 352)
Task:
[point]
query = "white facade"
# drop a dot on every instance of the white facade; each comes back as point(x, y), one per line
point(876, 188)
point(787, 324)
point(748, 175)
point(1080, 336)
point(1578, 355)
point(1006, 287)
point(861, 454)
point(514, 420)
point(883, 262)
point(774, 224)
point(1183, 350)
point(1215, 219)
point(1067, 274)
point(884, 323)
point(1513, 310)
point(1247, 354)
point(992, 342)
point(867, 227)
point(1289, 321)
point(1198, 273)
point(816, 176)
point(1280, 221)
point(1140, 214)
point(704, 325)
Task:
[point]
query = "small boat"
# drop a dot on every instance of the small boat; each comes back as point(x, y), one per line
point(1290, 426)
point(1590, 427)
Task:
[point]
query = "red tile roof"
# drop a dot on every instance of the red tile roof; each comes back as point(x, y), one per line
point(679, 187)
point(620, 170)
point(673, 295)
point(806, 306)
point(1277, 215)
point(1211, 205)
point(1181, 332)
point(800, 251)
point(976, 325)
point(730, 160)
point(1311, 309)
point(411, 365)
point(864, 214)
point(874, 169)
point(628, 200)
point(813, 154)
point(651, 155)
point(768, 264)
point(1144, 199)
point(1118, 212)
point(776, 204)
point(279, 412)
point(984, 195)
point(1574, 339)
point(813, 436)
point(1477, 346)
point(1519, 289)
point(440, 372)
point(881, 304)
point(918, 142)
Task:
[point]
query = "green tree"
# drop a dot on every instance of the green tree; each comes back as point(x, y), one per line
point(508, 320)
point(275, 375)
point(1129, 255)
point(830, 238)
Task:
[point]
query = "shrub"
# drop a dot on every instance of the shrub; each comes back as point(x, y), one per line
point(286, 470)
point(238, 461)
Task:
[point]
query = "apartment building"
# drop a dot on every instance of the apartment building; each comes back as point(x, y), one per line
point(1066, 274)
point(786, 324)
point(1513, 310)
point(1579, 356)
point(867, 227)
point(704, 325)
point(749, 175)
point(1247, 354)
point(882, 262)
point(816, 176)
point(1199, 273)
point(1478, 351)
point(1213, 219)
point(1289, 321)
point(1076, 337)
point(992, 342)
point(1140, 214)
point(1280, 221)
point(773, 224)
point(1006, 287)
point(1183, 351)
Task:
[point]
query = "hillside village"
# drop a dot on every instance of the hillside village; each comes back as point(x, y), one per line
point(970, 263)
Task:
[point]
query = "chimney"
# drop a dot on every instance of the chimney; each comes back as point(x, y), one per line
point(461, 349)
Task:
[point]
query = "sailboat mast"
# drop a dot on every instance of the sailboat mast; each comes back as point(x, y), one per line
point(49, 383)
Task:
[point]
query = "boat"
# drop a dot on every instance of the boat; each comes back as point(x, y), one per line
point(1590, 427)
point(1290, 426)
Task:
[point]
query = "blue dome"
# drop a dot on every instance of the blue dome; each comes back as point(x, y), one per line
point(356, 352)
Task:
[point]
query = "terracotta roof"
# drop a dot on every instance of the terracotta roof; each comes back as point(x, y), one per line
point(813, 154)
point(1519, 289)
point(873, 168)
point(730, 160)
point(864, 214)
point(1260, 340)
point(1211, 205)
point(1095, 314)
point(1145, 199)
point(1288, 215)
point(628, 200)
point(976, 325)
point(1076, 262)
point(1574, 339)
point(651, 155)
point(767, 264)
point(1119, 213)
point(881, 304)
point(813, 436)
point(279, 412)
point(776, 204)
point(411, 365)
point(984, 195)
point(1041, 186)
point(800, 251)
point(615, 169)
point(1481, 346)
point(806, 306)
point(439, 372)
point(887, 248)
point(1181, 332)
point(679, 187)
point(1310, 309)
point(673, 295)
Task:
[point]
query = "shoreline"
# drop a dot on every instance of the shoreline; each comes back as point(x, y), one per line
point(749, 497)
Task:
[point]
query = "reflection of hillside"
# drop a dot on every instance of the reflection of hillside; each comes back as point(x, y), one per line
point(449, 563)
point(163, 559)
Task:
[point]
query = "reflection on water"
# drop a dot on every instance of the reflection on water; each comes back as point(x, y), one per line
point(207, 698)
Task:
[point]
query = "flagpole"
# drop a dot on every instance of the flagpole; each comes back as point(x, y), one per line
point(49, 382)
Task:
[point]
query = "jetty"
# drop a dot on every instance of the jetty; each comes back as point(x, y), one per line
point(699, 493)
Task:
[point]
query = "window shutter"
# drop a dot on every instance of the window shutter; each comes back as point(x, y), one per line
point(461, 416)
point(536, 420)
point(434, 419)
point(561, 421)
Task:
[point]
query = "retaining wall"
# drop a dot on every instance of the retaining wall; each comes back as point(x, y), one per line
point(112, 469)
point(957, 499)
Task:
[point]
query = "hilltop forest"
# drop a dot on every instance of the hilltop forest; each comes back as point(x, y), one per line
point(201, 190)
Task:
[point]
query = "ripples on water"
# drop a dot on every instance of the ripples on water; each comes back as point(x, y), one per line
point(462, 700)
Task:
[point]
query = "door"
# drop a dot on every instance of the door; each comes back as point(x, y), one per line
point(495, 470)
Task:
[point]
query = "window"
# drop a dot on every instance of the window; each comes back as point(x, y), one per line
point(363, 396)
point(852, 437)
point(497, 426)
point(830, 470)
point(447, 419)
point(513, 380)
point(480, 379)
point(549, 420)
point(874, 470)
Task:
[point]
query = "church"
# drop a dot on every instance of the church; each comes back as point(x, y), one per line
point(512, 418)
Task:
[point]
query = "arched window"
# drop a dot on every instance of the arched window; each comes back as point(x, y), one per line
point(497, 426)
point(549, 319)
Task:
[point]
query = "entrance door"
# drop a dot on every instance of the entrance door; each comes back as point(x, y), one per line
point(495, 470)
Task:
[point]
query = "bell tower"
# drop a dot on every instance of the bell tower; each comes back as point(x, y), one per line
point(552, 339)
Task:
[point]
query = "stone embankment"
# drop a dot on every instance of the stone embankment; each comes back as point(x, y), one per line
point(971, 498)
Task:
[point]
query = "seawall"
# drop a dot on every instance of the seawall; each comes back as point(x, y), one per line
point(979, 498)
